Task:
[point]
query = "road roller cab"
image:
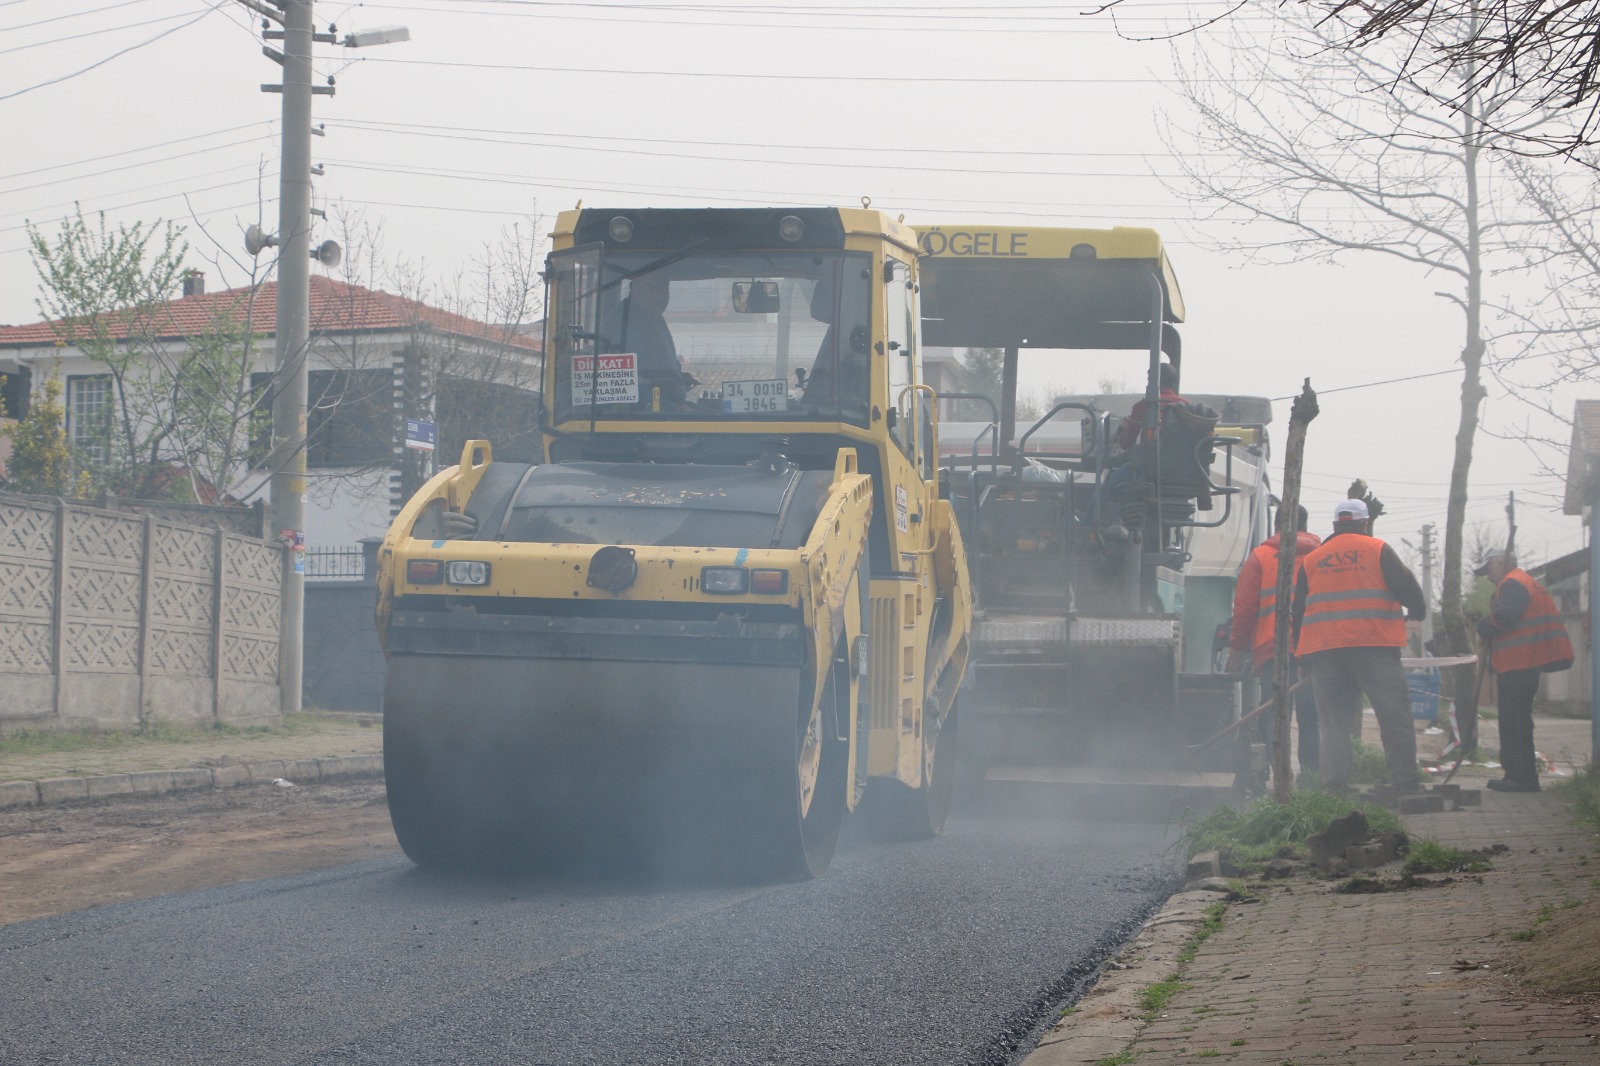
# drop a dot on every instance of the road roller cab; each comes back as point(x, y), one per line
point(730, 606)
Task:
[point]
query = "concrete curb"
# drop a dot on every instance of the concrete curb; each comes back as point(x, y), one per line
point(1109, 1016)
point(58, 790)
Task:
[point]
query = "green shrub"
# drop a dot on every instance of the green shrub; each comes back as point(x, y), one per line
point(1250, 837)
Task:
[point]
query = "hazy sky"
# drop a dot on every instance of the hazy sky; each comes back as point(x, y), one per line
point(500, 109)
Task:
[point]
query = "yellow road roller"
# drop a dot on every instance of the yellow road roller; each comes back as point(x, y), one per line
point(730, 605)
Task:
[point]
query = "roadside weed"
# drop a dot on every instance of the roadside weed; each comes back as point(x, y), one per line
point(1432, 857)
point(1583, 789)
point(1251, 837)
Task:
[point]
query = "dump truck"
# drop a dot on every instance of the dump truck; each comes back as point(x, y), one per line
point(1085, 659)
point(730, 605)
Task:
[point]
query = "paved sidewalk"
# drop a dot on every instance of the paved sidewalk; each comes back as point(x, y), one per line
point(1300, 974)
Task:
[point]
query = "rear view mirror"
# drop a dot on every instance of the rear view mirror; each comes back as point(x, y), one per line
point(755, 297)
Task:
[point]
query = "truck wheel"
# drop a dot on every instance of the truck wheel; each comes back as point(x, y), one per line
point(897, 812)
point(794, 834)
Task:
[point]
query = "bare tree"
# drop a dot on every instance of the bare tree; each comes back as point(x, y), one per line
point(1342, 151)
point(1546, 51)
point(469, 361)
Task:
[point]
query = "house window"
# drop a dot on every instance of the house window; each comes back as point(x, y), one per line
point(89, 417)
point(351, 420)
point(14, 392)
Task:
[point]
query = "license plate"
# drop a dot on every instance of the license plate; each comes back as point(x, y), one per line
point(755, 397)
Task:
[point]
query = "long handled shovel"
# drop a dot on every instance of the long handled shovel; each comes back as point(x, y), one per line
point(1195, 749)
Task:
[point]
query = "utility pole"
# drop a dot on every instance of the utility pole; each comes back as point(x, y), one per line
point(1511, 523)
point(1427, 584)
point(292, 332)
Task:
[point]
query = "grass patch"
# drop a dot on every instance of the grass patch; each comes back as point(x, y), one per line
point(1267, 829)
point(1121, 1058)
point(1155, 997)
point(1525, 934)
point(149, 731)
point(1583, 790)
point(1367, 766)
point(1432, 857)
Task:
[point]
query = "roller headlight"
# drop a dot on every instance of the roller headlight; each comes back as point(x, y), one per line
point(466, 572)
point(725, 580)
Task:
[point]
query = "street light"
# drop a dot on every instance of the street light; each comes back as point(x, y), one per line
point(377, 35)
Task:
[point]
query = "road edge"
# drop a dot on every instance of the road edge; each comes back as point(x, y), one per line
point(1108, 1017)
point(58, 790)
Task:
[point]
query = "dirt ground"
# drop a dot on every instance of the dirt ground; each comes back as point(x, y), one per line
point(59, 859)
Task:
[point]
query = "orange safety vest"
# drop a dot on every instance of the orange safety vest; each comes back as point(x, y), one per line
point(1267, 557)
point(1348, 603)
point(1539, 638)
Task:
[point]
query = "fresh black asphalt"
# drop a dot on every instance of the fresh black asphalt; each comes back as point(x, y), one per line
point(947, 951)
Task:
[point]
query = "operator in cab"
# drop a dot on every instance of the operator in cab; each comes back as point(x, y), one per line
point(641, 327)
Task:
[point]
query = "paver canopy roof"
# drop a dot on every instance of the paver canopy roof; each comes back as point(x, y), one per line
point(336, 307)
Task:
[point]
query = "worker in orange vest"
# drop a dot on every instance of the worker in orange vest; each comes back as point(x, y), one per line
point(1526, 638)
point(1351, 603)
point(1250, 645)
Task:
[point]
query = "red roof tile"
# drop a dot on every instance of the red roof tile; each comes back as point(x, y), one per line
point(336, 307)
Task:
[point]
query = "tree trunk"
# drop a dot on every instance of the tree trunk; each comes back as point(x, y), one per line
point(1305, 409)
point(1454, 632)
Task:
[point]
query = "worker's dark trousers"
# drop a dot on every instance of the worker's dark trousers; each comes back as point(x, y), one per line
point(1517, 690)
point(1309, 745)
point(1339, 677)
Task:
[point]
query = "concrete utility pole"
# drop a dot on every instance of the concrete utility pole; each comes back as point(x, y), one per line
point(292, 333)
point(1427, 584)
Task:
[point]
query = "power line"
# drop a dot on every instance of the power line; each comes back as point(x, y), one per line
point(134, 166)
point(1374, 384)
point(76, 14)
point(132, 151)
point(113, 55)
point(384, 125)
point(898, 79)
point(90, 33)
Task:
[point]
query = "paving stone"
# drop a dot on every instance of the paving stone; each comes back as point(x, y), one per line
point(1376, 971)
point(1424, 803)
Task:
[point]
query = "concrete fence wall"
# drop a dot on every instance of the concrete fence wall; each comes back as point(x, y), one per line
point(108, 618)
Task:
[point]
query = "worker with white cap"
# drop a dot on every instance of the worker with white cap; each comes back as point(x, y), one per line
point(1526, 638)
point(1352, 600)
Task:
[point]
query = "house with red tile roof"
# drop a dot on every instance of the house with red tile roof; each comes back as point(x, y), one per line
point(375, 359)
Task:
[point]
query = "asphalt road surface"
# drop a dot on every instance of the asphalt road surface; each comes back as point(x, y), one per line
point(946, 951)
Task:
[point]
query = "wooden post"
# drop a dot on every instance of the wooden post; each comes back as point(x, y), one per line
point(1300, 416)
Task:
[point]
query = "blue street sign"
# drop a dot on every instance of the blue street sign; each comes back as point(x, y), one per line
point(421, 436)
